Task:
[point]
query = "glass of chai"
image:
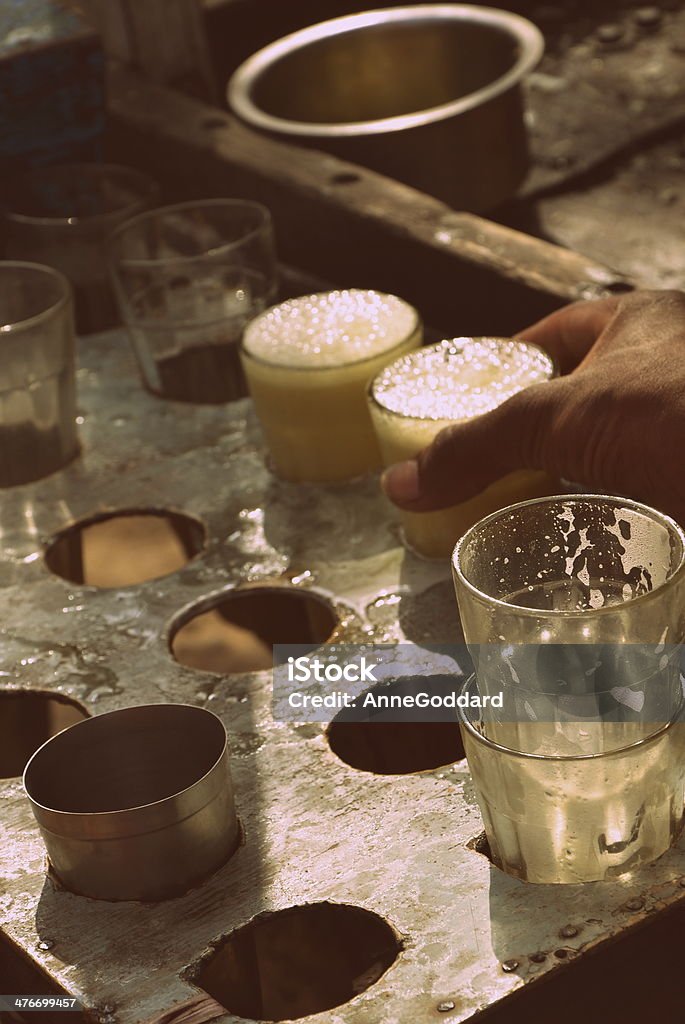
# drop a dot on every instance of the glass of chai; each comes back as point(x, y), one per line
point(572, 608)
point(415, 397)
point(37, 373)
point(308, 362)
point(188, 278)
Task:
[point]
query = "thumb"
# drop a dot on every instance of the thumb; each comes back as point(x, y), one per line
point(466, 457)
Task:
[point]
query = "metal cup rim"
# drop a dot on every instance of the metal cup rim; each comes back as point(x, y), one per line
point(240, 84)
point(133, 814)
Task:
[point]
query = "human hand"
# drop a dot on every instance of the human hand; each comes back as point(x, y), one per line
point(615, 420)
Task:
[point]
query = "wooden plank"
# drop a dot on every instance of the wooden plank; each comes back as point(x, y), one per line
point(348, 224)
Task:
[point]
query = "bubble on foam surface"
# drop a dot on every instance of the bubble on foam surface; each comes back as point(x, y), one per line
point(330, 328)
point(460, 378)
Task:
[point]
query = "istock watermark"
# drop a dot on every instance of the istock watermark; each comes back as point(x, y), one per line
point(304, 669)
point(398, 682)
point(584, 683)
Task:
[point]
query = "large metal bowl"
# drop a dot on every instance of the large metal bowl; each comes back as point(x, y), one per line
point(428, 94)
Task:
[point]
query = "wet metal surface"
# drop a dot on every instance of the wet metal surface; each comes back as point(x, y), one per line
point(315, 829)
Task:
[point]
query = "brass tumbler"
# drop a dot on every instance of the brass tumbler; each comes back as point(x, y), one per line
point(135, 804)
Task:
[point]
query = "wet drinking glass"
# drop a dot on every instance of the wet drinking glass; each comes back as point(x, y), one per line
point(554, 817)
point(573, 611)
point(62, 215)
point(188, 279)
point(37, 373)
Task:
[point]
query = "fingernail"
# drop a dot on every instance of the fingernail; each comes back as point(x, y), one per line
point(401, 481)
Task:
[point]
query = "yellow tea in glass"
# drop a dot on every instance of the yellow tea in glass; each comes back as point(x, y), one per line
point(419, 394)
point(308, 362)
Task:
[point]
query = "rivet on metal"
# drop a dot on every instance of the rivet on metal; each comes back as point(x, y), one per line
point(648, 17)
point(569, 931)
point(610, 33)
point(636, 904)
point(446, 1005)
point(538, 958)
point(46, 944)
point(561, 954)
point(509, 965)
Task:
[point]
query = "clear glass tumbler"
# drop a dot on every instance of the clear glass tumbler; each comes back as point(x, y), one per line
point(573, 609)
point(188, 279)
point(37, 373)
point(553, 818)
point(62, 215)
point(572, 569)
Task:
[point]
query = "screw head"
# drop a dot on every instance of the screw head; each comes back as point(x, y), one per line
point(647, 17)
point(610, 33)
point(509, 965)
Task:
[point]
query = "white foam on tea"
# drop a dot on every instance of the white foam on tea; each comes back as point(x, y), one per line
point(330, 328)
point(460, 378)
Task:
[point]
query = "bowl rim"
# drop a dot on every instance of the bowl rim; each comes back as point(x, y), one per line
point(240, 85)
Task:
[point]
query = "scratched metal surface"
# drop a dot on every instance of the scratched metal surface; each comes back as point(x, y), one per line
point(315, 829)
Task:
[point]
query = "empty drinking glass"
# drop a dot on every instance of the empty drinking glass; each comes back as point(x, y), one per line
point(62, 215)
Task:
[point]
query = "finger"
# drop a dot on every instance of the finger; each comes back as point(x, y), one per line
point(465, 458)
point(568, 334)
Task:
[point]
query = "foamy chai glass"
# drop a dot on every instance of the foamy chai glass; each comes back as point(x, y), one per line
point(415, 397)
point(308, 362)
point(573, 609)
